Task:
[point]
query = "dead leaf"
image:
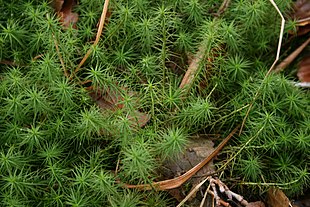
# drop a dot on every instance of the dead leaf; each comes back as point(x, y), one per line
point(178, 181)
point(304, 69)
point(57, 5)
point(301, 14)
point(256, 204)
point(64, 10)
point(302, 9)
point(197, 150)
point(113, 100)
point(276, 198)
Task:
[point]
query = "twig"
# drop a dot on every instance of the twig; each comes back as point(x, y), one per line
point(60, 57)
point(117, 167)
point(204, 197)
point(223, 203)
point(223, 7)
point(224, 189)
point(303, 22)
point(37, 57)
point(192, 192)
point(303, 84)
point(178, 181)
point(216, 196)
point(272, 66)
point(291, 57)
point(99, 32)
point(8, 62)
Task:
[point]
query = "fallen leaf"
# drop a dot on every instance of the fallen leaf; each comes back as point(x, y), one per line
point(64, 10)
point(276, 198)
point(301, 14)
point(112, 100)
point(304, 69)
point(256, 204)
point(57, 5)
point(302, 9)
point(197, 150)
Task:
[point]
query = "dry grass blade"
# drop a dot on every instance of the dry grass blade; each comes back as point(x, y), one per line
point(223, 7)
point(291, 57)
point(272, 66)
point(99, 32)
point(178, 181)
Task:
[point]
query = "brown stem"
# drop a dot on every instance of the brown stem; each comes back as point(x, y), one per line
point(291, 57)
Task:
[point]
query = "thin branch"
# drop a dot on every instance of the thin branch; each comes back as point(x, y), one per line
point(99, 32)
point(8, 62)
point(223, 7)
point(204, 197)
point(223, 203)
point(270, 69)
point(291, 57)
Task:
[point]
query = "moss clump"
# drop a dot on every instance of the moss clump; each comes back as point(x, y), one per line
point(59, 148)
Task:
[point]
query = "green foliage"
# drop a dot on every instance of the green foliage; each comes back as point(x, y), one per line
point(58, 148)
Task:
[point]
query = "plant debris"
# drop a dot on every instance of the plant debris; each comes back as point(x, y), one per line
point(304, 70)
point(302, 15)
point(113, 100)
point(64, 10)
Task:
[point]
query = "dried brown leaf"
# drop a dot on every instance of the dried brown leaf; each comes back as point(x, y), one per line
point(304, 69)
point(302, 9)
point(67, 17)
point(276, 198)
point(197, 150)
point(64, 10)
point(178, 181)
point(57, 4)
point(112, 100)
point(301, 14)
point(256, 204)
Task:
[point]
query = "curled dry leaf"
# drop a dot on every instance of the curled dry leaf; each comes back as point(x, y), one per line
point(304, 70)
point(64, 10)
point(113, 100)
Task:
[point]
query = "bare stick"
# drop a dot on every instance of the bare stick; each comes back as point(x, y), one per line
point(204, 197)
point(223, 203)
point(60, 57)
point(271, 68)
point(223, 7)
point(291, 57)
point(99, 32)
